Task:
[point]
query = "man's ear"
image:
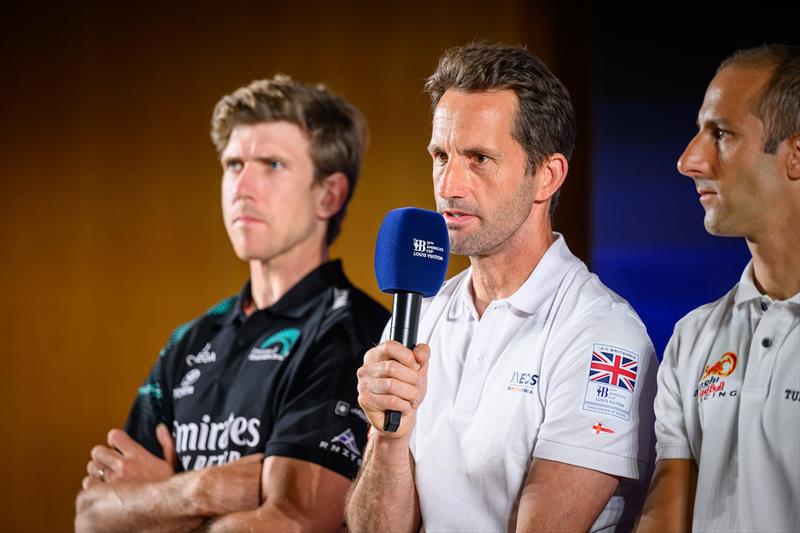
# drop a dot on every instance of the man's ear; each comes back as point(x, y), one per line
point(551, 176)
point(793, 158)
point(333, 192)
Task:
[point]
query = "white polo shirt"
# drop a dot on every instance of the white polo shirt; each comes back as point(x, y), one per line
point(729, 398)
point(562, 370)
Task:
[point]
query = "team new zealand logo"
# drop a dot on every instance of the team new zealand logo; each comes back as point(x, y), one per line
point(276, 347)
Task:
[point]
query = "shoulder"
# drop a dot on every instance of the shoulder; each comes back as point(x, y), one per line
point(711, 314)
point(350, 311)
point(695, 330)
point(191, 329)
point(589, 303)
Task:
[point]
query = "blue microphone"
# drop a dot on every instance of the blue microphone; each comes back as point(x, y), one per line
point(410, 262)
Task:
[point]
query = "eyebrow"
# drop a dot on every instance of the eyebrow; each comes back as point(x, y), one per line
point(433, 148)
point(494, 154)
point(714, 123)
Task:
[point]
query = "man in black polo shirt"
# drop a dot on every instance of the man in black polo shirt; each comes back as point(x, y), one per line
point(271, 372)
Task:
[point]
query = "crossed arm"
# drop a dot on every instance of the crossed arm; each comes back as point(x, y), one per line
point(141, 492)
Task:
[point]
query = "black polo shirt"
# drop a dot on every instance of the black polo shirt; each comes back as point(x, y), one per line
point(281, 381)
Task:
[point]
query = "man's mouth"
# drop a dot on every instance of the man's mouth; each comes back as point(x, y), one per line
point(247, 219)
point(453, 217)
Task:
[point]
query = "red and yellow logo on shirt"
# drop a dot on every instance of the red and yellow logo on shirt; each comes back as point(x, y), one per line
point(724, 367)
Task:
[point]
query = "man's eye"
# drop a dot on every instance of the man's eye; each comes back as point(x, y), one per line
point(233, 166)
point(719, 133)
point(274, 164)
point(440, 157)
point(480, 158)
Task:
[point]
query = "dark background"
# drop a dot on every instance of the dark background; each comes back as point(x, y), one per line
point(110, 231)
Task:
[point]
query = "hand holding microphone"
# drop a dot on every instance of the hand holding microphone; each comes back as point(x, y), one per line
point(410, 262)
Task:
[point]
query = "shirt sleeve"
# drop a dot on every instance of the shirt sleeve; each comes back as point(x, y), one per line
point(598, 385)
point(150, 407)
point(672, 440)
point(319, 419)
point(148, 411)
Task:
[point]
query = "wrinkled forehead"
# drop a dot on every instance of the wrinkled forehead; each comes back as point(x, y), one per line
point(474, 114)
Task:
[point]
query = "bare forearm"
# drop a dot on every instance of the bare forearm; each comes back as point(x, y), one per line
point(562, 497)
point(384, 497)
point(180, 503)
point(162, 506)
point(270, 517)
point(670, 503)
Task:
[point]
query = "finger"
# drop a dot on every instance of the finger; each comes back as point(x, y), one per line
point(108, 457)
point(391, 369)
point(123, 442)
point(389, 387)
point(422, 353)
point(383, 402)
point(89, 481)
point(99, 472)
point(167, 445)
point(391, 350)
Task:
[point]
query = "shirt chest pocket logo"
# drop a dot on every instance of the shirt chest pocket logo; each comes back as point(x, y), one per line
point(276, 347)
point(712, 383)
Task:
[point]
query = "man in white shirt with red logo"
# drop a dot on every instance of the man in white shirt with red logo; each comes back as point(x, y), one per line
point(539, 379)
point(728, 404)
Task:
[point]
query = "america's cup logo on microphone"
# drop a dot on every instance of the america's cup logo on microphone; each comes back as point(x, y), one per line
point(410, 263)
point(428, 249)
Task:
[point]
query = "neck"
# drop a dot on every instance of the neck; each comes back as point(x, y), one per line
point(271, 279)
point(776, 263)
point(500, 273)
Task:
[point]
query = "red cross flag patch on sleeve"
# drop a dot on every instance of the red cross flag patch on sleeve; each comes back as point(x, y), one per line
point(611, 381)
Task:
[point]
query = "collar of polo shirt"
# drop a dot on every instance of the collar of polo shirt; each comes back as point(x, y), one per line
point(747, 289)
point(541, 283)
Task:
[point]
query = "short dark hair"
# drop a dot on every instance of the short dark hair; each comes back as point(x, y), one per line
point(778, 107)
point(545, 119)
point(336, 130)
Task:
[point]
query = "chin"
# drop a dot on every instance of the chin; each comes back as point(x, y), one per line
point(248, 254)
point(719, 229)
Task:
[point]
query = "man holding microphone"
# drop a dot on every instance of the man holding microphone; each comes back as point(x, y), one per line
point(527, 404)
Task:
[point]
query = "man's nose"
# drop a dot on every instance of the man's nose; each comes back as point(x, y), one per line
point(695, 159)
point(451, 182)
point(245, 180)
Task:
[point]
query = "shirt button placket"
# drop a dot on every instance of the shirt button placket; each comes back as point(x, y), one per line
point(475, 372)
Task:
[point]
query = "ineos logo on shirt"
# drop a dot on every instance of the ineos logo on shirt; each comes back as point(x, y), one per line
point(523, 382)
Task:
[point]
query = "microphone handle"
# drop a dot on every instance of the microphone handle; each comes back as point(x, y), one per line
point(405, 321)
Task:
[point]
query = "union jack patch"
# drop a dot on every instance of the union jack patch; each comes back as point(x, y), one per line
point(611, 381)
point(614, 369)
